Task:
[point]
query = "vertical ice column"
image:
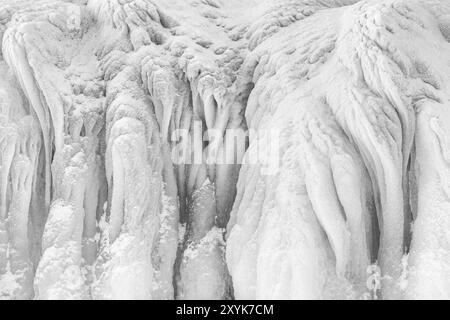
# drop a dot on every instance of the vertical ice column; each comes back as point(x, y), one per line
point(165, 251)
point(125, 269)
point(15, 53)
point(210, 192)
point(169, 98)
point(8, 138)
point(203, 272)
point(22, 180)
point(429, 257)
point(91, 197)
point(59, 274)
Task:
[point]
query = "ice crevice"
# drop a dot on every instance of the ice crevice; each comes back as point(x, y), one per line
point(193, 149)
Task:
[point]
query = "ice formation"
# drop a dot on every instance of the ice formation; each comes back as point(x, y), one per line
point(118, 120)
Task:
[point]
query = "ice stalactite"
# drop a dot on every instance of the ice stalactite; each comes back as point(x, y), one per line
point(16, 58)
point(134, 217)
point(189, 97)
point(23, 176)
point(182, 93)
point(136, 257)
point(21, 145)
point(208, 210)
point(72, 158)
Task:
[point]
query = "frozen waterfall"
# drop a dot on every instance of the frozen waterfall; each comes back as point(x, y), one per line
point(225, 149)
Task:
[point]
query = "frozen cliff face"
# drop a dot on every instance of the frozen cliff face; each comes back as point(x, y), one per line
point(220, 149)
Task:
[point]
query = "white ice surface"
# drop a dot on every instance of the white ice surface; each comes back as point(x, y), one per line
point(345, 184)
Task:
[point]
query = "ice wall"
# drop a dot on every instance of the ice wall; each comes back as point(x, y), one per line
point(118, 120)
